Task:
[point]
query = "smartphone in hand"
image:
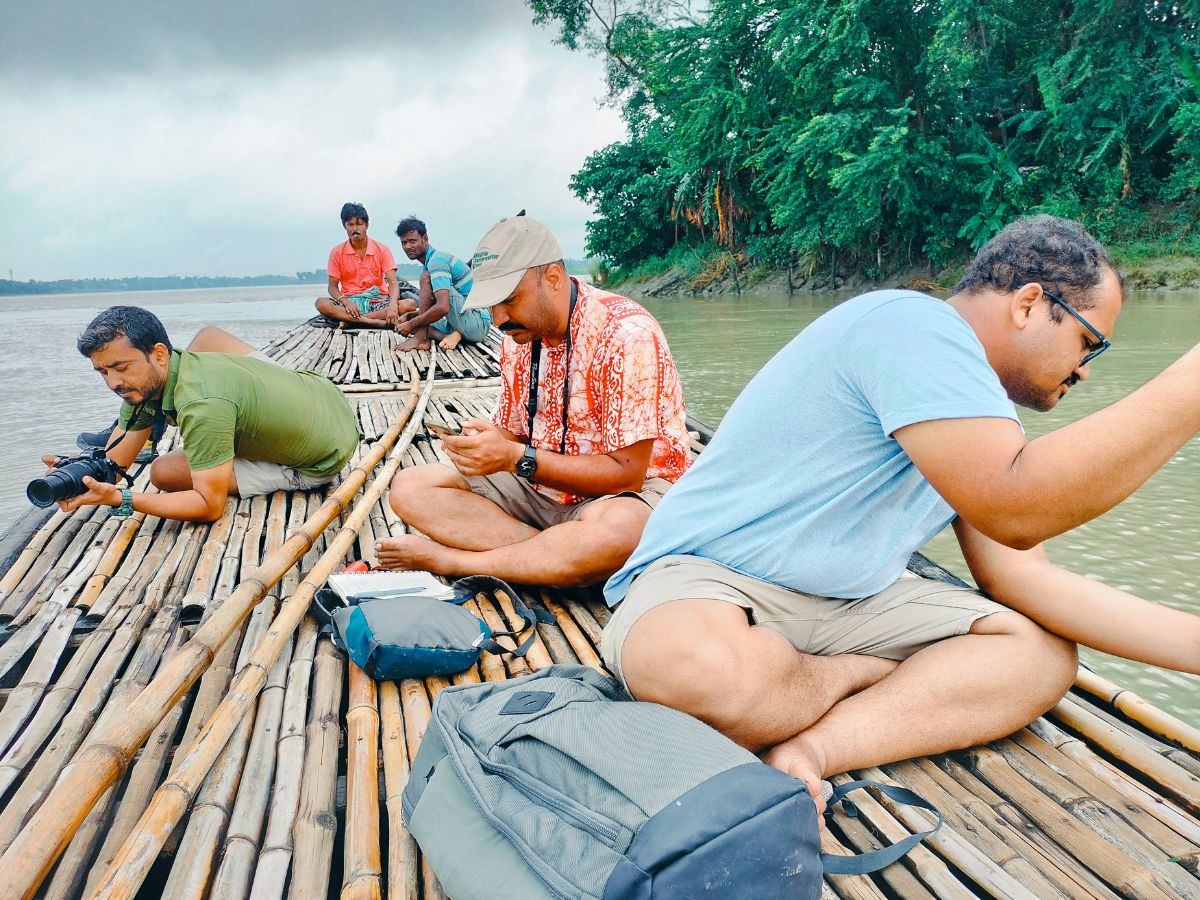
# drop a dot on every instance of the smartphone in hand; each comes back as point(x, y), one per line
point(440, 428)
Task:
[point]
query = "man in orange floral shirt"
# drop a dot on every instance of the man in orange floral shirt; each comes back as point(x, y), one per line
point(608, 436)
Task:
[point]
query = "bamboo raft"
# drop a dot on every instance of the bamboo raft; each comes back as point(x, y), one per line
point(363, 359)
point(171, 726)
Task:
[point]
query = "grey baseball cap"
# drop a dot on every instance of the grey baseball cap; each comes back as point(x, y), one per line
point(513, 246)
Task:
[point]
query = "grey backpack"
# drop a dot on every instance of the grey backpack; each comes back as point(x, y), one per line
point(561, 785)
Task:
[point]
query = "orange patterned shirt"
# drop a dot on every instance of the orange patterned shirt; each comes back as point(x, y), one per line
point(624, 388)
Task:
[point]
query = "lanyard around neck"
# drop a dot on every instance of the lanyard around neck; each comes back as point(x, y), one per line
point(535, 364)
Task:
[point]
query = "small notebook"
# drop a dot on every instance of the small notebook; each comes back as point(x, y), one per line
point(383, 585)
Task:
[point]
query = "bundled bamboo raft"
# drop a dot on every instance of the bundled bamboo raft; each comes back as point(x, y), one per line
point(364, 359)
point(172, 725)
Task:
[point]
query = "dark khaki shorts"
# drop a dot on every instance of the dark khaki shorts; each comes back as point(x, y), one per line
point(517, 497)
point(912, 613)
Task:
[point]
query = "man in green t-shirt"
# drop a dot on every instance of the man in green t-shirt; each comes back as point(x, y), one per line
point(249, 426)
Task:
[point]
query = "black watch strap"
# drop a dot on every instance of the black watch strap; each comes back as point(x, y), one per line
point(527, 464)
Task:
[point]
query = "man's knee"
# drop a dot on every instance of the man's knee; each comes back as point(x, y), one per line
point(1051, 662)
point(681, 656)
point(168, 476)
point(614, 529)
point(409, 493)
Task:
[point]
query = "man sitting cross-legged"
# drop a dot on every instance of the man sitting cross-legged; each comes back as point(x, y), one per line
point(768, 595)
point(566, 506)
point(363, 290)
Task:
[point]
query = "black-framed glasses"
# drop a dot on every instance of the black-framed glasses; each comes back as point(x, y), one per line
point(1104, 342)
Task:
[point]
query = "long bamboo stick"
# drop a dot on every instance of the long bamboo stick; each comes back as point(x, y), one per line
point(270, 873)
point(363, 875)
point(1133, 752)
point(30, 856)
point(402, 849)
point(169, 804)
point(1161, 723)
point(316, 820)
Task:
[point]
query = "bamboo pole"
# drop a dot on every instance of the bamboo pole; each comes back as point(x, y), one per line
point(363, 876)
point(402, 849)
point(1133, 792)
point(1125, 747)
point(316, 819)
point(1130, 704)
point(1109, 789)
point(1124, 874)
point(1009, 823)
point(579, 643)
point(931, 870)
point(75, 728)
point(954, 848)
point(170, 802)
point(56, 702)
point(25, 696)
point(241, 846)
point(1104, 821)
point(982, 833)
point(214, 796)
point(31, 552)
point(33, 852)
point(270, 874)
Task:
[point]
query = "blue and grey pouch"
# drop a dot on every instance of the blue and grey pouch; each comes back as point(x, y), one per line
point(415, 636)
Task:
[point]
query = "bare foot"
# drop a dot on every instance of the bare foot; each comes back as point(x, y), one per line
point(410, 552)
point(412, 344)
point(450, 341)
point(797, 761)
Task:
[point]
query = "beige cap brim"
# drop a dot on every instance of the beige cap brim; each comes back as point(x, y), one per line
point(492, 291)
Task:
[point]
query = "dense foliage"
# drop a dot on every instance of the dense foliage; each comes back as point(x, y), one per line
point(877, 133)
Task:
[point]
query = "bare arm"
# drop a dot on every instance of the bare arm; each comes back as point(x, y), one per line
point(203, 503)
point(1080, 609)
point(1021, 493)
point(441, 306)
point(489, 449)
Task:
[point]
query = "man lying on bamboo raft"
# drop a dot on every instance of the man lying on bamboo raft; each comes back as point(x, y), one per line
point(556, 487)
point(363, 289)
point(769, 596)
point(248, 425)
point(443, 313)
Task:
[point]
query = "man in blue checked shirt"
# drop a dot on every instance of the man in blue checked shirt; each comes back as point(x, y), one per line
point(445, 282)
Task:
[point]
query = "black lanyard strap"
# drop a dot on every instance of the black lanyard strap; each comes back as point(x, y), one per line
point(535, 365)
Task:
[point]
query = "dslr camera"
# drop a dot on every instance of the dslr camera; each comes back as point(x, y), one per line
point(66, 481)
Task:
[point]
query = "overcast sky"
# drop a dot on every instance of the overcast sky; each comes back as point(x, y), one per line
point(222, 137)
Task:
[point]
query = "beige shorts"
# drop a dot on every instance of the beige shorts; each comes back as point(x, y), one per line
point(912, 613)
point(255, 477)
point(517, 497)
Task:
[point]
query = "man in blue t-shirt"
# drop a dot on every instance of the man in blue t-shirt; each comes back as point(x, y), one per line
point(445, 282)
point(769, 595)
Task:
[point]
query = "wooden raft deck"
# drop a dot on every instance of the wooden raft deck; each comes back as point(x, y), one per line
point(265, 766)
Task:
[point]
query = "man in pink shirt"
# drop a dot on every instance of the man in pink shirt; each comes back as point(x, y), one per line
point(362, 277)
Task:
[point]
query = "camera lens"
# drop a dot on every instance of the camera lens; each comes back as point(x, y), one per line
point(66, 481)
point(42, 492)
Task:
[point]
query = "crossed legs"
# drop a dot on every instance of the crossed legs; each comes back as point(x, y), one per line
point(817, 716)
point(470, 535)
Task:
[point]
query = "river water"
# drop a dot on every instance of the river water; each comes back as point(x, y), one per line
point(1150, 544)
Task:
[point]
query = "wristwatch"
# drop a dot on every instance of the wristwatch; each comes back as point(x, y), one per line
point(126, 507)
point(527, 464)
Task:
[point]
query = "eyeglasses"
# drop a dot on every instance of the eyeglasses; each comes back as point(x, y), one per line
point(1104, 342)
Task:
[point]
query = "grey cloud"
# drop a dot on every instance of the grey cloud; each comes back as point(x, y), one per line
point(78, 39)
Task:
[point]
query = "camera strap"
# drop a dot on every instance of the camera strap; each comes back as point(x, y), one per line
point(535, 364)
point(120, 435)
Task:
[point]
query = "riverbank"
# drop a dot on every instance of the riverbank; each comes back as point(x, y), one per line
point(716, 275)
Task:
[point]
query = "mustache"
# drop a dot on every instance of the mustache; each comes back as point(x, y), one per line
point(513, 326)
